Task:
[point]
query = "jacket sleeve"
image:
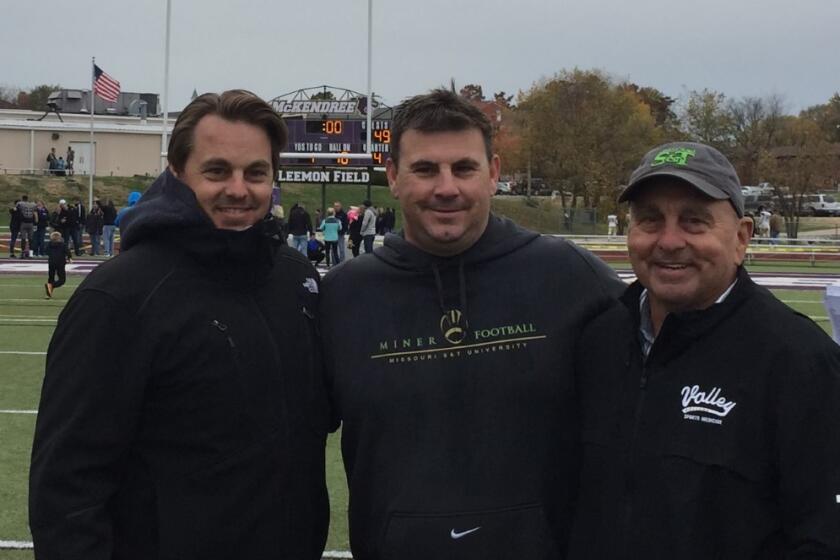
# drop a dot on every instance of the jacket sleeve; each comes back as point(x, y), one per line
point(809, 451)
point(89, 410)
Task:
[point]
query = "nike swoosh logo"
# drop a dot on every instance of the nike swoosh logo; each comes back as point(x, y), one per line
point(456, 535)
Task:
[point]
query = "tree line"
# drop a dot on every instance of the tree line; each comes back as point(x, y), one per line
point(584, 132)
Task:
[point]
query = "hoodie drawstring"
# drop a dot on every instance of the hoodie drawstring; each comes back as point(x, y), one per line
point(462, 281)
point(462, 291)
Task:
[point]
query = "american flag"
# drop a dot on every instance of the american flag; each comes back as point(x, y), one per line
point(104, 85)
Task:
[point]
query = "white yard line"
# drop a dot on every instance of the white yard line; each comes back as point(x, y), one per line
point(22, 300)
point(27, 545)
point(19, 545)
point(18, 412)
point(19, 353)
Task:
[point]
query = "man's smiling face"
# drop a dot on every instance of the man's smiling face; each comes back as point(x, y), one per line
point(444, 183)
point(685, 247)
point(229, 170)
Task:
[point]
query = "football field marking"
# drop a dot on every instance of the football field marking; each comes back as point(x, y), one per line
point(27, 545)
point(18, 353)
point(18, 412)
point(17, 545)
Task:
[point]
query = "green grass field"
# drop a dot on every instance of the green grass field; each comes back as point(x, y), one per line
point(26, 325)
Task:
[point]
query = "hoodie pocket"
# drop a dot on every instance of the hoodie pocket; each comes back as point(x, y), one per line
point(515, 532)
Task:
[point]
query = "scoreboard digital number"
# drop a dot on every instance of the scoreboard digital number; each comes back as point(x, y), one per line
point(338, 136)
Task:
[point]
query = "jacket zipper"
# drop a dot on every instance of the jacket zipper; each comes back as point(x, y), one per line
point(223, 329)
point(630, 477)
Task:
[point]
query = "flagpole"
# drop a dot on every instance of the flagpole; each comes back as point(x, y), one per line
point(92, 151)
point(163, 143)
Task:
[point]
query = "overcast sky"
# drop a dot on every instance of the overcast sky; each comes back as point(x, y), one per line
point(738, 47)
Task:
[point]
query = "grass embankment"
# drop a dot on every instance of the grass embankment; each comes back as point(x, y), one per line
point(541, 214)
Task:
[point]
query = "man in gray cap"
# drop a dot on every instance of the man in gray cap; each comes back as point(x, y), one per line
point(710, 418)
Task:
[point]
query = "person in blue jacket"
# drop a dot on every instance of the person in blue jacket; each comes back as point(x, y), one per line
point(331, 226)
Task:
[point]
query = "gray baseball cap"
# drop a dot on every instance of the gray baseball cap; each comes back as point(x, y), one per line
point(699, 165)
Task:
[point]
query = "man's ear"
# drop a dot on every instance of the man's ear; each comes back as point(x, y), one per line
point(495, 172)
point(391, 174)
point(172, 170)
point(744, 234)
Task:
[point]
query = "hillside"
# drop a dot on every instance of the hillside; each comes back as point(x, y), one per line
point(541, 214)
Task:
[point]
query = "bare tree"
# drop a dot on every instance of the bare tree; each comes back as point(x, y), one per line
point(9, 94)
point(756, 123)
point(806, 165)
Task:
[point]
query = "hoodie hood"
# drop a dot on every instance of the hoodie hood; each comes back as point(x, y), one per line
point(168, 204)
point(170, 211)
point(501, 237)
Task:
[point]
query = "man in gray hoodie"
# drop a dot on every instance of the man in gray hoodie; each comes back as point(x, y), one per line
point(368, 226)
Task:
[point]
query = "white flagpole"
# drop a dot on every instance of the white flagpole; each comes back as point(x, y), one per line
point(369, 77)
point(92, 151)
point(164, 145)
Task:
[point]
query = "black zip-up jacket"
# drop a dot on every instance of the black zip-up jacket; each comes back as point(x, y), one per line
point(299, 222)
point(724, 443)
point(183, 415)
point(109, 214)
point(456, 393)
point(342, 217)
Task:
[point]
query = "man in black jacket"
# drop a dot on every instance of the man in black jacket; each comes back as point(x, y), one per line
point(300, 227)
point(193, 424)
point(456, 392)
point(711, 425)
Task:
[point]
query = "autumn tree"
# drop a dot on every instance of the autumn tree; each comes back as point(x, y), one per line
point(503, 100)
point(585, 134)
point(705, 118)
point(472, 92)
point(827, 117)
point(661, 106)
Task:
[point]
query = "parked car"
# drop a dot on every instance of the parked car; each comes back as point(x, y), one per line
point(820, 205)
point(503, 187)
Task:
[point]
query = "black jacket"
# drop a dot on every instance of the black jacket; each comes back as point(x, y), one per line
point(183, 414)
point(14, 218)
point(94, 223)
point(724, 443)
point(456, 393)
point(58, 254)
point(299, 222)
point(109, 214)
point(43, 218)
point(345, 221)
point(68, 219)
point(354, 231)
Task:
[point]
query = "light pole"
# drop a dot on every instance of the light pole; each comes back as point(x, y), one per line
point(164, 133)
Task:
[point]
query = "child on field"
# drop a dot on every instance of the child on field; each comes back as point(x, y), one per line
point(58, 254)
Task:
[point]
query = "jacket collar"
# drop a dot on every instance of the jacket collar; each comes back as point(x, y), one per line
point(681, 328)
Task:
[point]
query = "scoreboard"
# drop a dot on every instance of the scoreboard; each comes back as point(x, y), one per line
point(330, 135)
